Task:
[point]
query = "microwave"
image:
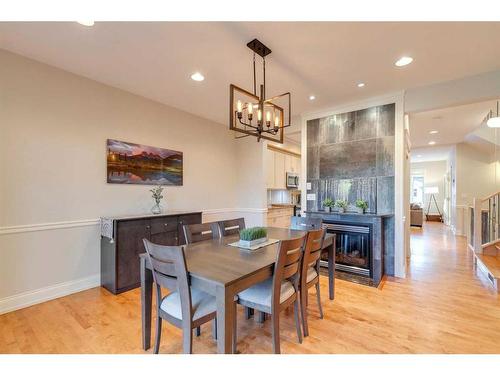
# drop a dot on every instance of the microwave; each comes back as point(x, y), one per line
point(292, 180)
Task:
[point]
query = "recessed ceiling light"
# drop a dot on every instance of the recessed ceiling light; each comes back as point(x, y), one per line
point(312, 97)
point(197, 77)
point(433, 132)
point(405, 60)
point(361, 84)
point(432, 143)
point(419, 156)
point(86, 23)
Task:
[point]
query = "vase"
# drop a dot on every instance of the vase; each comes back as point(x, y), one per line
point(328, 209)
point(341, 210)
point(360, 210)
point(156, 209)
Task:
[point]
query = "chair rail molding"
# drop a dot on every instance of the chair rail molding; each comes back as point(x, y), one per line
point(90, 222)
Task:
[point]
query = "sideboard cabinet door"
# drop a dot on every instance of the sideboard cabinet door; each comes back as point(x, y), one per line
point(129, 245)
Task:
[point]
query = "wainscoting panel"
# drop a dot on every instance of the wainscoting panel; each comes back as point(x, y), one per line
point(40, 262)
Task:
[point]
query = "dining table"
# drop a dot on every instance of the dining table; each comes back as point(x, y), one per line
point(223, 271)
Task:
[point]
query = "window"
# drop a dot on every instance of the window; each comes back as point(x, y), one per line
point(417, 189)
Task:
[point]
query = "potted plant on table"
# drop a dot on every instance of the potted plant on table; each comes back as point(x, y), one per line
point(341, 205)
point(328, 203)
point(253, 236)
point(361, 206)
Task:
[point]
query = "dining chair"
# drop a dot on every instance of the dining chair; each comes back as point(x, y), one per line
point(230, 227)
point(309, 275)
point(184, 307)
point(201, 232)
point(306, 223)
point(278, 292)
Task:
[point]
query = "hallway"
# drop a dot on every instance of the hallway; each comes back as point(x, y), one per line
point(442, 307)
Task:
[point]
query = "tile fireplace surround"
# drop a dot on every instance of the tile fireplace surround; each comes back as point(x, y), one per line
point(350, 156)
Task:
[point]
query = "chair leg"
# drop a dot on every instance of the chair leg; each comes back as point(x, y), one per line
point(187, 341)
point(318, 296)
point(303, 309)
point(248, 312)
point(261, 317)
point(235, 333)
point(297, 319)
point(197, 331)
point(158, 335)
point(276, 332)
point(214, 329)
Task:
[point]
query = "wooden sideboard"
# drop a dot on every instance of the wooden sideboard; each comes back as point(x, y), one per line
point(120, 255)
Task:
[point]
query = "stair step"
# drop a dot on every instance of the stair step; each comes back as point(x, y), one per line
point(492, 263)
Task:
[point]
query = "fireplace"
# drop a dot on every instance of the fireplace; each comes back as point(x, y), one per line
point(353, 249)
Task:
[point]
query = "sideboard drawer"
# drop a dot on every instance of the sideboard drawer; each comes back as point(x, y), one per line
point(163, 224)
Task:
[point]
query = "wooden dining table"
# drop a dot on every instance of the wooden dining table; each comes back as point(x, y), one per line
point(223, 271)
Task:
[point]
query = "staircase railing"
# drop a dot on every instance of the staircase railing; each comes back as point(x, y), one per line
point(485, 225)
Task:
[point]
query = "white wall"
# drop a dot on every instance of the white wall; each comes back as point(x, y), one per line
point(54, 127)
point(476, 176)
point(433, 172)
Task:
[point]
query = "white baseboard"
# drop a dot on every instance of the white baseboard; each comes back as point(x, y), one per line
point(33, 297)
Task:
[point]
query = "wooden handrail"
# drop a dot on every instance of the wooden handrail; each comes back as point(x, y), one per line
point(485, 245)
point(490, 196)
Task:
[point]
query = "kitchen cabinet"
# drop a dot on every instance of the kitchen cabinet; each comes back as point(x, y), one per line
point(279, 216)
point(120, 254)
point(279, 171)
point(278, 163)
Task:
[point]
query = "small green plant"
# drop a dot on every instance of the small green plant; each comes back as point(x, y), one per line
point(328, 202)
point(157, 193)
point(340, 203)
point(251, 234)
point(362, 204)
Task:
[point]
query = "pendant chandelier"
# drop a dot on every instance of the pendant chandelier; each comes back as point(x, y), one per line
point(254, 115)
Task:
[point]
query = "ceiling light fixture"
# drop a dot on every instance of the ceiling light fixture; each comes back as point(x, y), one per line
point(433, 132)
point(432, 143)
point(197, 76)
point(361, 84)
point(312, 97)
point(86, 23)
point(271, 112)
point(405, 60)
point(419, 156)
point(494, 121)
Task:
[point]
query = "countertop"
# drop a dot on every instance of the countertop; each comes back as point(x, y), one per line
point(149, 215)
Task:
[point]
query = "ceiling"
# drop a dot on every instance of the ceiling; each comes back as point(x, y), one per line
point(426, 154)
point(326, 59)
point(452, 123)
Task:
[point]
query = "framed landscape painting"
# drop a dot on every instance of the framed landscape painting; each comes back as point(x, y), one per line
point(131, 163)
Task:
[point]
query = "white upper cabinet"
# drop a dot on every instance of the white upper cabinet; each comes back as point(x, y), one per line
point(277, 165)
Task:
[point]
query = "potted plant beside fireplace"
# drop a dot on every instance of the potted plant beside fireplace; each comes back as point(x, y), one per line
point(361, 206)
point(328, 203)
point(341, 205)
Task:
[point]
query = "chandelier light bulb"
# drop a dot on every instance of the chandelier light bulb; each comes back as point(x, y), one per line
point(238, 106)
point(250, 108)
point(259, 115)
point(276, 121)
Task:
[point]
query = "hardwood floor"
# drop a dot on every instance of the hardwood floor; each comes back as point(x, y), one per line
point(442, 307)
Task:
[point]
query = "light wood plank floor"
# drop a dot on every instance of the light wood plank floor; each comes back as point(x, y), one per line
point(443, 307)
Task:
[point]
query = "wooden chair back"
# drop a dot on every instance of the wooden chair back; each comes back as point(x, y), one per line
point(168, 264)
point(287, 266)
point(201, 232)
point(306, 223)
point(312, 251)
point(230, 227)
